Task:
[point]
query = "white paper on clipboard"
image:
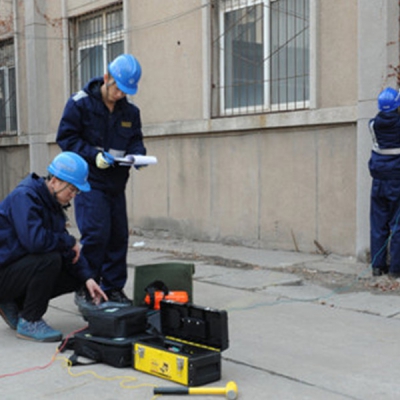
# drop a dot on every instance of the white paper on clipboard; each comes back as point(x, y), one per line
point(137, 160)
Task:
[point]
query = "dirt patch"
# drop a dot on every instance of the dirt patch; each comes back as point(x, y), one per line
point(335, 281)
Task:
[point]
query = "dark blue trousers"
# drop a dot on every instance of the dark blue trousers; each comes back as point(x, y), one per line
point(384, 223)
point(103, 224)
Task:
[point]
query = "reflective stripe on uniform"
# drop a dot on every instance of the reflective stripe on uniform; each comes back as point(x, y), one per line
point(375, 145)
point(80, 95)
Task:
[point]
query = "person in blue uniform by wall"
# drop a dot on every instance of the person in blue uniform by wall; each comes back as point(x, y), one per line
point(384, 167)
point(39, 259)
point(99, 123)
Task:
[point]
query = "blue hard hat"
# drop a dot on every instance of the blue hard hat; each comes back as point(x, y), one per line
point(388, 99)
point(72, 168)
point(126, 71)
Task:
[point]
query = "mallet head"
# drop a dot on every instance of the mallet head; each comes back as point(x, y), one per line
point(231, 390)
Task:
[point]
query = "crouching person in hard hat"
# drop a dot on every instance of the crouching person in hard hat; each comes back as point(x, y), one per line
point(39, 259)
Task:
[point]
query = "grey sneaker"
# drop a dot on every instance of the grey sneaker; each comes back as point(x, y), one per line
point(9, 312)
point(37, 330)
point(82, 297)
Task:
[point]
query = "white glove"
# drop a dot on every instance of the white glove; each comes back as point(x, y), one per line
point(104, 160)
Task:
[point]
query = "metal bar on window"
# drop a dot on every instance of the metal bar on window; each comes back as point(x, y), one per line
point(97, 38)
point(8, 114)
point(262, 49)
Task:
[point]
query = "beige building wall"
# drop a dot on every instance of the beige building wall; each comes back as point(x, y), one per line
point(282, 189)
point(168, 43)
point(337, 46)
point(289, 180)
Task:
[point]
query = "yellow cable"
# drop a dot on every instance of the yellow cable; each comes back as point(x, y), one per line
point(124, 379)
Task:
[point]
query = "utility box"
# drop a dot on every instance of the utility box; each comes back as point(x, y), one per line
point(189, 350)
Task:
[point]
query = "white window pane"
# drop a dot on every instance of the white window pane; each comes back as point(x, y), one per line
point(290, 51)
point(114, 21)
point(99, 39)
point(8, 105)
point(262, 54)
point(244, 53)
point(3, 125)
point(12, 99)
point(114, 50)
point(91, 63)
point(91, 28)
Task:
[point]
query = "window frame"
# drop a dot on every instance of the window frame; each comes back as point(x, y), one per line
point(10, 119)
point(267, 105)
point(105, 37)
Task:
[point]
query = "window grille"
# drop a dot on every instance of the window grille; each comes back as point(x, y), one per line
point(96, 40)
point(261, 56)
point(8, 98)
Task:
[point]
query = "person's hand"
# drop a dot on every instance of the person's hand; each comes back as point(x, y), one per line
point(104, 160)
point(95, 291)
point(77, 250)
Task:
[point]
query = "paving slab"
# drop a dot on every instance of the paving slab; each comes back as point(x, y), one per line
point(343, 265)
point(386, 306)
point(303, 292)
point(364, 302)
point(336, 350)
point(255, 279)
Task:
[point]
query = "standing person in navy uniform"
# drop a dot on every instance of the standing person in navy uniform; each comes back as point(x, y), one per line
point(39, 259)
point(99, 124)
point(384, 167)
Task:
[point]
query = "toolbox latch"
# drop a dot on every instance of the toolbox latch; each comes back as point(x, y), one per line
point(180, 363)
point(141, 351)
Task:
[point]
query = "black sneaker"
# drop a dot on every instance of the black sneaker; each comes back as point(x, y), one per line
point(118, 296)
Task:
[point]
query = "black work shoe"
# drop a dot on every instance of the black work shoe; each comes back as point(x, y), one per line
point(379, 271)
point(82, 297)
point(84, 302)
point(118, 296)
point(394, 275)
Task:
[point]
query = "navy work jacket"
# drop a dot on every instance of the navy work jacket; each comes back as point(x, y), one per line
point(87, 127)
point(32, 221)
point(387, 133)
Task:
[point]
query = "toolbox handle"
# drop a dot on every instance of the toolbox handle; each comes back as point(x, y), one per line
point(230, 391)
point(73, 359)
point(171, 390)
point(152, 288)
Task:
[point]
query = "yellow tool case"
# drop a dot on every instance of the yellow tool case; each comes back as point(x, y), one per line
point(189, 350)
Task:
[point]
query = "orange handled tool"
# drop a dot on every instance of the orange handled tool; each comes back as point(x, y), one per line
point(154, 300)
point(230, 390)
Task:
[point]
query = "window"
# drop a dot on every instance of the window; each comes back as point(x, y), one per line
point(8, 100)
point(262, 52)
point(98, 39)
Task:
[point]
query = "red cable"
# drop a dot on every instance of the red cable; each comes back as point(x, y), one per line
point(64, 343)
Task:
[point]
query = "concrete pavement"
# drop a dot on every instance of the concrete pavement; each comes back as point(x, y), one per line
point(290, 337)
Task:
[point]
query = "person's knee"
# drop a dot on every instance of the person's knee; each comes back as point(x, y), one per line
point(52, 262)
point(54, 258)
